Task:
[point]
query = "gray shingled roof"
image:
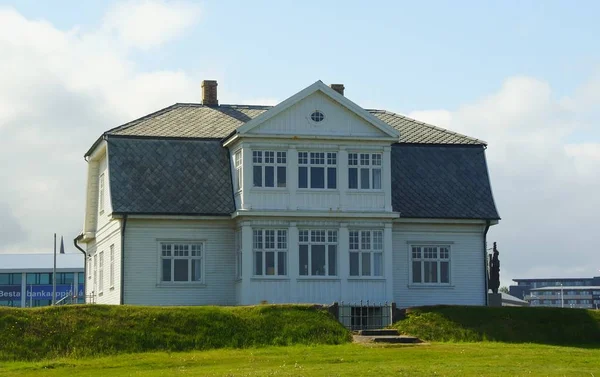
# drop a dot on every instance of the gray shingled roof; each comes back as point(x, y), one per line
point(193, 177)
point(169, 177)
point(434, 181)
point(199, 121)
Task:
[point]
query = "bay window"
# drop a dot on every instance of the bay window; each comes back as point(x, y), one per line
point(318, 252)
point(317, 170)
point(270, 252)
point(366, 253)
point(269, 168)
point(364, 171)
point(181, 262)
point(430, 264)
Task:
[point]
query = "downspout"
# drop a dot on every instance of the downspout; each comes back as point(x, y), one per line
point(485, 260)
point(123, 258)
point(84, 264)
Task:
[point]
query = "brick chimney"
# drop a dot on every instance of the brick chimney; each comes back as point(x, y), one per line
point(209, 93)
point(338, 88)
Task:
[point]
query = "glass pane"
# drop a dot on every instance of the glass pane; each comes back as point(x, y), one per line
point(166, 270)
point(353, 178)
point(258, 263)
point(377, 179)
point(444, 272)
point(18, 277)
point(81, 278)
point(332, 260)
point(302, 177)
point(270, 263)
point(45, 278)
point(180, 270)
point(366, 264)
point(68, 278)
point(416, 272)
point(269, 176)
point(331, 178)
point(317, 177)
point(281, 263)
point(317, 262)
point(303, 265)
point(377, 264)
point(353, 264)
point(4, 279)
point(430, 271)
point(364, 178)
point(31, 278)
point(258, 176)
point(281, 177)
point(196, 270)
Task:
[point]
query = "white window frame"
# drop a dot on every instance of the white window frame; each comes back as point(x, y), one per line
point(269, 158)
point(318, 237)
point(367, 243)
point(101, 194)
point(438, 257)
point(238, 161)
point(174, 250)
point(238, 254)
point(371, 163)
point(112, 267)
point(89, 269)
point(264, 243)
point(95, 272)
point(101, 273)
point(326, 160)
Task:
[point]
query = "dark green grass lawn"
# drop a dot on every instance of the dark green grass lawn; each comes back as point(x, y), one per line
point(438, 359)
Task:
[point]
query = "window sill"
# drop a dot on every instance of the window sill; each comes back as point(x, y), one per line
point(367, 278)
point(263, 189)
point(312, 191)
point(364, 191)
point(181, 285)
point(100, 294)
point(430, 286)
point(112, 288)
point(269, 278)
point(317, 278)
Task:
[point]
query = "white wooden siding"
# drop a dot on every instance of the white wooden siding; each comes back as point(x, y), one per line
point(466, 264)
point(109, 234)
point(338, 121)
point(142, 262)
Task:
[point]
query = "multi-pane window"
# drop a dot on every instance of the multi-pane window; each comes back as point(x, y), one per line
point(364, 171)
point(270, 252)
point(39, 278)
point(318, 252)
point(317, 170)
point(101, 193)
point(430, 264)
point(269, 168)
point(111, 273)
point(238, 253)
point(237, 163)
point(101, 273)
point(65, 278)
point(181, 262)
point(366, 253)
point(10, 279)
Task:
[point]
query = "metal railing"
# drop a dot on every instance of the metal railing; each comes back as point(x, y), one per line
point(365, 315)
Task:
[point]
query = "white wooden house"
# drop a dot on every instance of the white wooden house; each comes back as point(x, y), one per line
point(314, 200)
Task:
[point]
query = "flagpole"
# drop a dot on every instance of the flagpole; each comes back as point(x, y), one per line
point(54, 274)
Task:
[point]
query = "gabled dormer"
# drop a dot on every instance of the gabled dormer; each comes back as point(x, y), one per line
point(315, 151)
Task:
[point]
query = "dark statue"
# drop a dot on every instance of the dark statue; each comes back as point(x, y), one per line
point(494, 280)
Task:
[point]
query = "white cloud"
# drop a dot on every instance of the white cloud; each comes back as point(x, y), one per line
point(60, 90)
point(147, 24)
point(545, 185)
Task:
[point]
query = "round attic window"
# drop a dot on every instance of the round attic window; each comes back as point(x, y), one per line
point(317, 116)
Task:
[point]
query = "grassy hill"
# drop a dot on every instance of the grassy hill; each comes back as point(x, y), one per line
point(92, 330)
point(507, 324)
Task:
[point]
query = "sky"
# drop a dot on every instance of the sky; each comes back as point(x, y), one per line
point(522, 75)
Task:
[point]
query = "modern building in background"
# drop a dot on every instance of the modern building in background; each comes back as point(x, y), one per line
point(26, 279)
point(581, 293)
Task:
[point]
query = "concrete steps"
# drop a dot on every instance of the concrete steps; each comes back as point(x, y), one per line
point(389, 336)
